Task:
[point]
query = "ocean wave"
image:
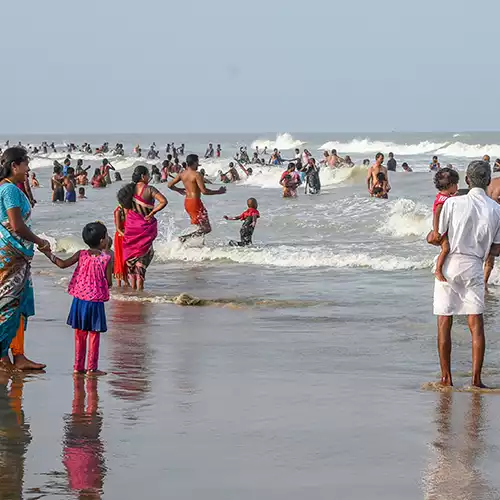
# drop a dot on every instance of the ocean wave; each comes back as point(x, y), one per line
point(369, 146)
point(286, 256)
point(283, 142)
point(407, 218)
point(460, 149)
point(119, 162)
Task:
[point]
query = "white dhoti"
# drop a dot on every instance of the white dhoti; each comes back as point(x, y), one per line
point(463, 292)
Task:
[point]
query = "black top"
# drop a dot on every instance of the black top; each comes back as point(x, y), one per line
point(391, 165)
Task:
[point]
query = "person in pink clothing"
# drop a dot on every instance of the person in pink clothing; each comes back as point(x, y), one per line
point(89, 287)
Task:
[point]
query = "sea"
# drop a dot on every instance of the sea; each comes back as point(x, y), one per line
point(297, 367)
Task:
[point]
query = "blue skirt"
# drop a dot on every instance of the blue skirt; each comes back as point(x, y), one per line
point(87, 316)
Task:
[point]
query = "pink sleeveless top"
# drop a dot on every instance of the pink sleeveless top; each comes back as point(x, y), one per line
point(89, 279)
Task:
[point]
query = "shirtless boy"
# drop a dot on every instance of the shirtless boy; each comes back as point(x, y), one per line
point(374, 170)
point(194, 187)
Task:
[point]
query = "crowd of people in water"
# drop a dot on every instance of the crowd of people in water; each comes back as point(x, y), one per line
point(125, 258)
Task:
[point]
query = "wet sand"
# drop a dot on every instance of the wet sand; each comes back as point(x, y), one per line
point(229, 403)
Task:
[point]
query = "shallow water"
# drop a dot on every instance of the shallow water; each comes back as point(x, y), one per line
point(299, 373)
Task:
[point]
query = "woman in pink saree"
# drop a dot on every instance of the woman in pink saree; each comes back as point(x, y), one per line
point(141, 228)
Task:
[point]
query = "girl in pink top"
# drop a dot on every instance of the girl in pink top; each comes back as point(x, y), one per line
point(89, 287)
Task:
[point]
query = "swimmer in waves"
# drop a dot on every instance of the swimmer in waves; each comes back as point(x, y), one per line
point(290, 181)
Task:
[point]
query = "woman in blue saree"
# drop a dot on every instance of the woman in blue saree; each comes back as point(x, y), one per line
point(16, 252)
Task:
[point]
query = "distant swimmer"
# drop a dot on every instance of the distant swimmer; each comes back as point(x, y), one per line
point(487, 158)
point(391, 163)
point(218, 151)
point(434, 164)
point(152, 153)
point(69, 185)
point(311, 177)
point(348, 162)
point(57, 184)
point(374, 170)
point(204, 175)
point(335, 160)
point(496, 167)
point(326, 157)
point(106, 171)
point(406, 167)
point(34, 181)
point(155, 174)
point(366, 162)
point(233, 173)
point(181, 149)
point(98, 180)
point(81, 193)
point(209, 153)
point(446, 181)
point(249, 218)
point(194, 187)
point(275, 158)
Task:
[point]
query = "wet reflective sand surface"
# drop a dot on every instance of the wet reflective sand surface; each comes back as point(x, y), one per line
point(219, 402)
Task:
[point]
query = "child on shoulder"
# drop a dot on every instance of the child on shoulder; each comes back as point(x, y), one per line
point(89, 287)
point(446, 181)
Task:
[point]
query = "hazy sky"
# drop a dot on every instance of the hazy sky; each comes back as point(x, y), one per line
point(240, 66)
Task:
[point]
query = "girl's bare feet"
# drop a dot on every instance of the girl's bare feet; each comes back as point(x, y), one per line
point(21, 362)
point(95, 373)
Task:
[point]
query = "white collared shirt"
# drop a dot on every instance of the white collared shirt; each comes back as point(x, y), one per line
point(472, 223)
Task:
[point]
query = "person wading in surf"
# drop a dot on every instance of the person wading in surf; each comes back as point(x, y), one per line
point(374, 170)
point(194, 187)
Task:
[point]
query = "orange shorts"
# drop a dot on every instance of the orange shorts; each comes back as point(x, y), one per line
point(196, 210)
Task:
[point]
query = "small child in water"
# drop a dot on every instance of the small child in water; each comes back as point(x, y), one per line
point(34, 181)
point(89, 287)
point(249, 218)
point(446, 181)
point(81, 194)
point(380, 188)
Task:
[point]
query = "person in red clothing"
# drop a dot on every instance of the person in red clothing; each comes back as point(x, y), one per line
point(249, 218)
point(446, 181)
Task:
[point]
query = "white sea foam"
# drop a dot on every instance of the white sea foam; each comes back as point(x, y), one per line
point(369, 146)
point(286, 256)
point(462, 150)
point(283, 142)
point(407, 218)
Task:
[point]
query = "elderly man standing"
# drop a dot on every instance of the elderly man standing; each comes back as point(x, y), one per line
point(472, 223)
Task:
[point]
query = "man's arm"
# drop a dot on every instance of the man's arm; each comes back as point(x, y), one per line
point(173, 185)
point(444, 221)
point(369, 180)
point(204, 190)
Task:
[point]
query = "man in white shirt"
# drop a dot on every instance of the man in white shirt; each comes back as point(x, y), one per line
point(472, 224)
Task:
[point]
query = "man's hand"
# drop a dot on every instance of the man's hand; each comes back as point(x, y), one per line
point(222, 190)
point(226, 217)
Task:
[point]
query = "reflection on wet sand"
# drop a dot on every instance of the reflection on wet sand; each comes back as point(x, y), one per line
point(83, 454)
point(454, 473)
point(14, 438)
point(130, 355)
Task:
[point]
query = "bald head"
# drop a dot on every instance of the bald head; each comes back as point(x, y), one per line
point(478, 174)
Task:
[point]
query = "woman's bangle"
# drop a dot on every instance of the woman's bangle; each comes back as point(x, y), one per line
point(52, 258)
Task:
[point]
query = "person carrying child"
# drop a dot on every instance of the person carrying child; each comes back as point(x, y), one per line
point(89, 287)
point(446, 181)
point(249, 218)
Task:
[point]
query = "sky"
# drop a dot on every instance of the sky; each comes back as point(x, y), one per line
point(190, 66)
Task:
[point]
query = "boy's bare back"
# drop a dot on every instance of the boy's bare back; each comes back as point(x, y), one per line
point(193, 183)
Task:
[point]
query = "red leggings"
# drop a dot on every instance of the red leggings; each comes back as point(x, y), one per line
point(81, 350)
